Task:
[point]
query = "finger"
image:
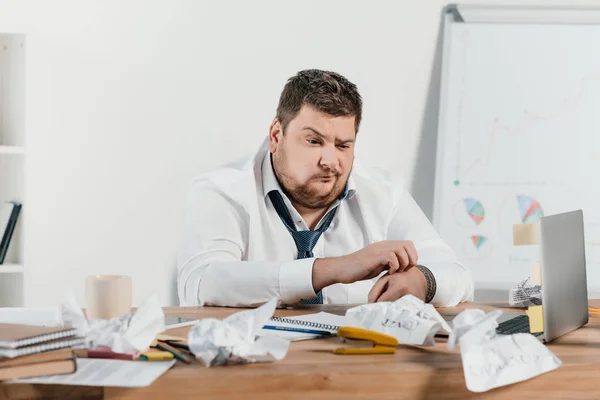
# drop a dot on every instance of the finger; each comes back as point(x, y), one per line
point(392, 261)
point(376, 272)
point(378, 288)
point(402, 258)
point(412, 254)
point(393, 292)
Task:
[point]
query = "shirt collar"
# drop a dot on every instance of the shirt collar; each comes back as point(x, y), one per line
point(271, 183)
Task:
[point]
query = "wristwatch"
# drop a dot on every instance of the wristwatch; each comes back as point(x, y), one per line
point(431, 284)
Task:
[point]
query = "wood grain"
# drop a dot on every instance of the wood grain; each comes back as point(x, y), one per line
point(311, 370)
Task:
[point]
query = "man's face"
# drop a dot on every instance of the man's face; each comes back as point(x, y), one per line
point(314, 158)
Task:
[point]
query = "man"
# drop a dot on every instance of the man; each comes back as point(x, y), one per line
point(303, 222)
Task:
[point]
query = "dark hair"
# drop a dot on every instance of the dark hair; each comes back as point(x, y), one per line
point(325, 91)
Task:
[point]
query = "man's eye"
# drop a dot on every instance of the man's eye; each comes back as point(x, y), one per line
point(344, 146)
point(311, 141)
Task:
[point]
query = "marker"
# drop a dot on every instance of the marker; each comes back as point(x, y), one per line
point(302, 330)
point(157, 356)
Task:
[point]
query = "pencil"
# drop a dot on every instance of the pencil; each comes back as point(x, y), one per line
point(176, 353)
point(302, 330)
point(179, 345)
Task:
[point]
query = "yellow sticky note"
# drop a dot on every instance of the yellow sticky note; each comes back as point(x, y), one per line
point(536, 319)
point(536, 274)
point(526, 234)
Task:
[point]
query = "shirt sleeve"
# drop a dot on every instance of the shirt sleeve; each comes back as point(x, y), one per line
point(454, 280)
point(211, 266)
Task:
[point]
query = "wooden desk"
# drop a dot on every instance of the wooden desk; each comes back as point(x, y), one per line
point(310, 370)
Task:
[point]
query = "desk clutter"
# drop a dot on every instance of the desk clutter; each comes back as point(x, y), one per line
point(61, 346)
point(136, 348)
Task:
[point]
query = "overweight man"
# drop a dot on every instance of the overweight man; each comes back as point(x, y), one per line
point(303, 221)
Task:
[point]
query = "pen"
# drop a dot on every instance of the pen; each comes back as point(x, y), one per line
point(163, 346)
point(303, 330)
point(156, 356)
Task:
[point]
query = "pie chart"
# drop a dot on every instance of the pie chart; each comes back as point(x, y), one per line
point(478, 246)
point(478, 240)
point(469, 212)
point(530, 209)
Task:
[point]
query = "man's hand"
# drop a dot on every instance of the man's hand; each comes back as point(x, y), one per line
point(392, 287)
point(392, 255)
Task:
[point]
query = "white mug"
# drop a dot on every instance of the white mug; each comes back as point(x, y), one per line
point(107, 296)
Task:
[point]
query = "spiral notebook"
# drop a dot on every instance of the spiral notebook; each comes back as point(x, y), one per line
point(17, 340)
point(72, 342)
point(320, 321)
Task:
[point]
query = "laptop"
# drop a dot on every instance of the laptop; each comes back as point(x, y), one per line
point(564, 283)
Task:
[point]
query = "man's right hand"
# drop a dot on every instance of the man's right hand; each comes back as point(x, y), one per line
point(391, 255)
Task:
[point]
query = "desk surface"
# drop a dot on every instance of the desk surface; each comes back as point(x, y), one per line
point(310, 370)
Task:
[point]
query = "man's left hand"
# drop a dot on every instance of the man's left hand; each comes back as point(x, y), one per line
point(392, 287)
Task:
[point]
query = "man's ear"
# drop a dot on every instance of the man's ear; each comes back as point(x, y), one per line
point(275, 135)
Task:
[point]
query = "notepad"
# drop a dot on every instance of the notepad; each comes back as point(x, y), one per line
point(321, 321)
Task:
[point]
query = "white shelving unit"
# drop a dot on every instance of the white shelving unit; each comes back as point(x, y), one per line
point(17, 150)
point(12, 160)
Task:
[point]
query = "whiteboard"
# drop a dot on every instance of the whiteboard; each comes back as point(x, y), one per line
point(519, 138)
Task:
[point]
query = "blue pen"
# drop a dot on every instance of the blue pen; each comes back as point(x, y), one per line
point(302, 330)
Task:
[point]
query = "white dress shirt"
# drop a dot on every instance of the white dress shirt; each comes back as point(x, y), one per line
point(236, 251)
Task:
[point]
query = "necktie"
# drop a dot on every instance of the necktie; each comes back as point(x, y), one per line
point(305, 240)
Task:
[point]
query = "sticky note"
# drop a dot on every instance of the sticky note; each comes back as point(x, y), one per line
point(536, 274)
point(536, 319)
point(526, 234)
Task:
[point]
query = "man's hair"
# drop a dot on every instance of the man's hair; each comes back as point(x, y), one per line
point(325, 91)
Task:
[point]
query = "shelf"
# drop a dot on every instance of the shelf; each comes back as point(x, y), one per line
point(10, 268)
point(12, 150)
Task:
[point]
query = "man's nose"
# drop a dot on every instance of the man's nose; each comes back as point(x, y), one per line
point(329, 159)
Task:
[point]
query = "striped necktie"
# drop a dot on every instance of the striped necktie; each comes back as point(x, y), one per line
point(305, 240)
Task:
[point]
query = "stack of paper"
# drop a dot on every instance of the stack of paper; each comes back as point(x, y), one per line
point(99, 372)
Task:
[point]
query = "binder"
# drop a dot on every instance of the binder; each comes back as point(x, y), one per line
point(9, 230)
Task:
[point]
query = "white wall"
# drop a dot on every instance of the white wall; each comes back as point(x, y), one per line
point(127, 100)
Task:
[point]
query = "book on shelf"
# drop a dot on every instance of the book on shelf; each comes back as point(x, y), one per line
point(9, 216)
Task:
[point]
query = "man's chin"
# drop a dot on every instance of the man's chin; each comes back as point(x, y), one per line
point(322, 200)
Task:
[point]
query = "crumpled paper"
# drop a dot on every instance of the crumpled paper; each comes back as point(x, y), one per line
point(525, 294)
point(490, 360)
point(133, 332)
point(233, 340)
point(408, 319)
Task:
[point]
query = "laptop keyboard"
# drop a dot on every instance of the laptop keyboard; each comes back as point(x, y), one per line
point(518, 324)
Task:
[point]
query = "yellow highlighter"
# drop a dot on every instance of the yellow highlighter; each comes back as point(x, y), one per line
point(157, 356)
point(381, 343)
